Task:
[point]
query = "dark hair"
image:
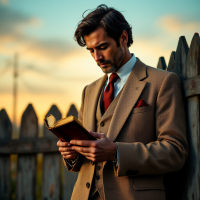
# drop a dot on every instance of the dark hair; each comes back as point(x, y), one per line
point(110, 19)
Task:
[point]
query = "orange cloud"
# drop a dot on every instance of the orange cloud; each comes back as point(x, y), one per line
point(174, 25)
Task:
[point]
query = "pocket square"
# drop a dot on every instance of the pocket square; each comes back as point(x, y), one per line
point(141, 103)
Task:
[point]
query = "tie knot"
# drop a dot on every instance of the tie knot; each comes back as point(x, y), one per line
point(113, 78)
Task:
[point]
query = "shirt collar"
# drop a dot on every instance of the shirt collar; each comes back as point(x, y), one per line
point(126, 69)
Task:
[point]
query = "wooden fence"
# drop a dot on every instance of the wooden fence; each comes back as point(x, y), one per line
point(185, 62)
point(27, 147)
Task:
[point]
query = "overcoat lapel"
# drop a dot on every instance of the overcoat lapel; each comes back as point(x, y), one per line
point(93, 97)
point(129, 96)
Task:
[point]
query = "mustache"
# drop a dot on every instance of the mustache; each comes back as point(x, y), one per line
point(103, 62)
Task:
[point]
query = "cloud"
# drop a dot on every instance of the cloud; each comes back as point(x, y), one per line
point(176, 25)
point(4, 2)
point(15, 38)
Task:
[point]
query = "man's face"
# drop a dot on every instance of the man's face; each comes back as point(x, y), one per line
point(104, 50)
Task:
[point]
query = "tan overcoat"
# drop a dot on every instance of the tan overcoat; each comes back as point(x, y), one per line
point(151, 139)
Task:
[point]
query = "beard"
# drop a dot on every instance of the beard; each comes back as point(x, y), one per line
point(114, 64)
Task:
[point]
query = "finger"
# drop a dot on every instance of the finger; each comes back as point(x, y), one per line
point(68, 153)
point(63, 144)
point(83, 143)
point(73, 156)
point(97, 135)
point(84, 149)
point(61, 149)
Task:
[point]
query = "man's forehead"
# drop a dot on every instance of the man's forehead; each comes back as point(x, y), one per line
point(96, 38)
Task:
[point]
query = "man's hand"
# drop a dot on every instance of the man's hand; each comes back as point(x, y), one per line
point(66, 151)
point(99, 150)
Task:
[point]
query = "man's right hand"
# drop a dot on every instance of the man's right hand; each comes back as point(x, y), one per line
point(66, 151)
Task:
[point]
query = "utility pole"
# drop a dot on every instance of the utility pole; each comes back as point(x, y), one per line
point(15, 75)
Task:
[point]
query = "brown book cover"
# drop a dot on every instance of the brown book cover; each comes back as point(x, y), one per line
point(67, 129)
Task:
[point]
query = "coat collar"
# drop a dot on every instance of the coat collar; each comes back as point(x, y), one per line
point(129, 96)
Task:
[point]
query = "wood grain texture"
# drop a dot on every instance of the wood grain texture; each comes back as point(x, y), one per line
point(51, 176)
point(162, 64)
point(26, 168)
point(181, 58)
point(51, 164)
point(171, 64)
point(5, 133)
point(57, 114)
point(28, 146)
point(193, 112)
point(191, 87)
point(69, 181)
point(193, 58)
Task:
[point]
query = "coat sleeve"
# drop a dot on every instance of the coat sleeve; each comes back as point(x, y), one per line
point(77, 164)
point(169, 152)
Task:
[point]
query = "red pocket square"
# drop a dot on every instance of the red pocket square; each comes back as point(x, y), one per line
point(141, 103)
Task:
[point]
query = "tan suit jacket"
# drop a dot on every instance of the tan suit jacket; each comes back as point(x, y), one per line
point(151, 140)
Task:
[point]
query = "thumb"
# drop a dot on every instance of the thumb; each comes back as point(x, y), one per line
point(97, 135)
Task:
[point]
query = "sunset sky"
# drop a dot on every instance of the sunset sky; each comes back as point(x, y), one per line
point(53, 69)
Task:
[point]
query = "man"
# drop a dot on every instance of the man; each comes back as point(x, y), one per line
point(135, 111)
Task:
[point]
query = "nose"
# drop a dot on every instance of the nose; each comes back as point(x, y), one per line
point(98, 56)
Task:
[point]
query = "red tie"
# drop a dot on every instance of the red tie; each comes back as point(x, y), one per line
point(108, 95)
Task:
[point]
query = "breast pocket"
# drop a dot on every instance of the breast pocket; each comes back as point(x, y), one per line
point(142, 109)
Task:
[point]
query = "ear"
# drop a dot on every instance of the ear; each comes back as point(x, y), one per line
point(124, 38)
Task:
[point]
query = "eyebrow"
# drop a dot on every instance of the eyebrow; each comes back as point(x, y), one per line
point(98, 46)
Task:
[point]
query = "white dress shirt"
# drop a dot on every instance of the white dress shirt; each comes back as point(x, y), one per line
point(123, 74)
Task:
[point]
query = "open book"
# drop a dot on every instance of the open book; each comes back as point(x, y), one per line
point(68, 128)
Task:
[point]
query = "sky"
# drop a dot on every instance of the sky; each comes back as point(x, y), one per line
point(54, 69)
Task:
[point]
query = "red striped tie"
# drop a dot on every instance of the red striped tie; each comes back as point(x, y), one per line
point(108, 95)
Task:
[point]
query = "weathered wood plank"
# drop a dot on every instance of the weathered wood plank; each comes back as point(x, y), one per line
point(162, 64)
point(69, 177)
point(26, 170)
point(5, 133)
point(193, 57)
point(191, 86)
point(51, 176)
point(28, 146)
point(181, 58)
point(68, 183)
point(73, 111)
point(57, 114)
point(193, 115)
point(51, 164)
point(171, 64)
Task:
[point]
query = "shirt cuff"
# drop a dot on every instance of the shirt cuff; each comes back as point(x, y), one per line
point(71, 163)
point(116, 160)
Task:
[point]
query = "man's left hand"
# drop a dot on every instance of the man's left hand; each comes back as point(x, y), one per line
point(99, 150)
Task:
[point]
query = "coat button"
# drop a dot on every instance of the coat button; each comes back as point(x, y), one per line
point(87, 185)
point(98, 167)
point(97, 177)
point(102, 124)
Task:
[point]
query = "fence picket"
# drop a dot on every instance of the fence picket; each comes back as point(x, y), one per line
point(5, 134)
point(26, 169)
point(181, 57)
point(193, 112)
point(51, 164)
point(171, 64)
point(162, 64)
point(69, 177)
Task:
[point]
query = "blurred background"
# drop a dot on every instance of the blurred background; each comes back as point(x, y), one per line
point(40, 63)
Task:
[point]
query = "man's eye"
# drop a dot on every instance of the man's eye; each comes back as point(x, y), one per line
point(91, 51)
point(103, 47)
